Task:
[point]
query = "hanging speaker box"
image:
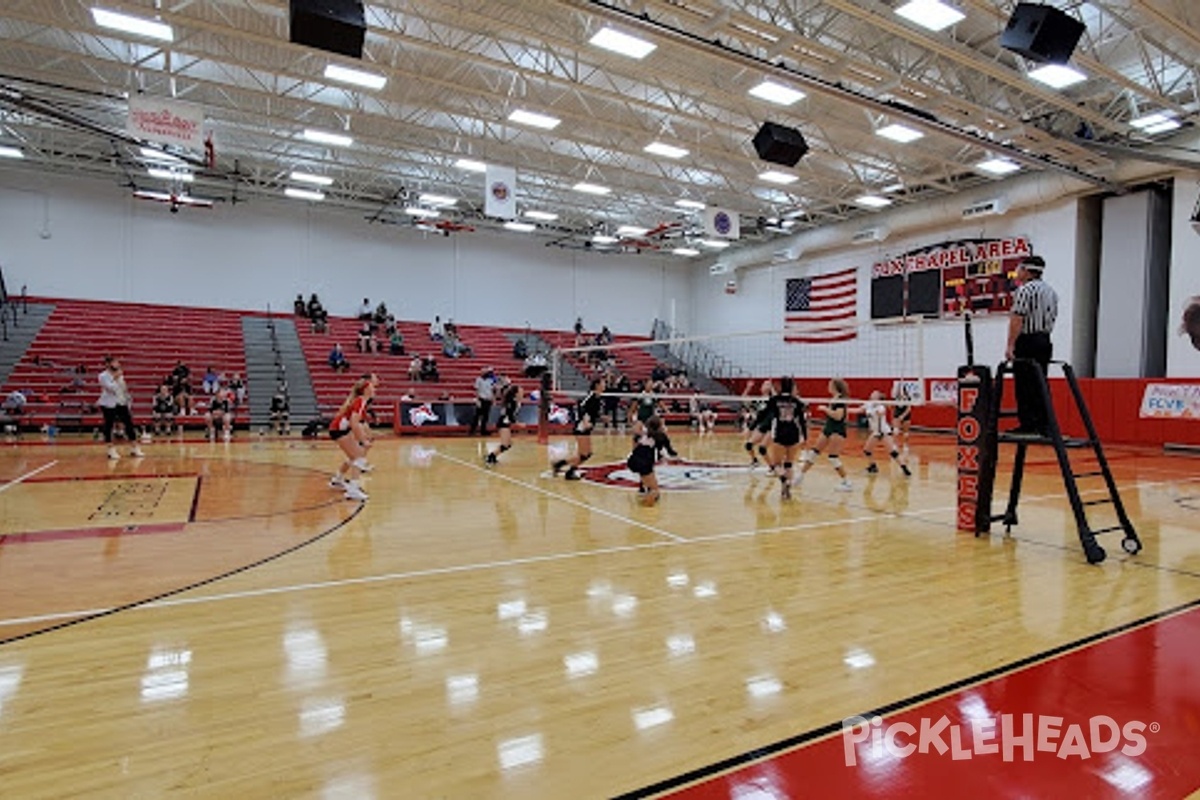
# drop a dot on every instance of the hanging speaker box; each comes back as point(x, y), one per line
point(1042, 33)
point(335, 26)
point(780, 144)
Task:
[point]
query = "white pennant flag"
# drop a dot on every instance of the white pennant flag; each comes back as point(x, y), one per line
point(501, 192)
point(721, 222)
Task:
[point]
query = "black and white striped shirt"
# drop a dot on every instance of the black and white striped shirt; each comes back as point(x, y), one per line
point(1037, 304)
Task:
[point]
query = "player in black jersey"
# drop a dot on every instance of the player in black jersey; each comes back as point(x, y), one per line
point(510, 404)
point(760, 429)
point(788, 434)
point(164, 411)
point(589, 415)
point(648, 447)
point(220, 411)
point(902, 415)
point(281, 410)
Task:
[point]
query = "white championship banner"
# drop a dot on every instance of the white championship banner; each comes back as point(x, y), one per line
point(158, 119)
point(501, 198)
point(1171, 401)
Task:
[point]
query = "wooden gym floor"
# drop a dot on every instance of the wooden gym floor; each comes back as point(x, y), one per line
point(213, 621)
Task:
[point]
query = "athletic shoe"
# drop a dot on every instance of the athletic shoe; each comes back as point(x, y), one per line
point(491, 459)
point(844, 486)
point(336, 482)
point(136, 452)
point(872, 469)
point(362, 465)
point(113, 454)
point(786, 492)
point(572, 475)
point(355, 493)
point(558, 465)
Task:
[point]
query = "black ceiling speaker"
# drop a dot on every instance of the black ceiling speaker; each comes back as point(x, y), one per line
point(780, 144)
point(1042, 33)
point(335, 26)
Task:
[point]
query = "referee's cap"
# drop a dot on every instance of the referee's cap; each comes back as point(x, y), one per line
point(1035, 263)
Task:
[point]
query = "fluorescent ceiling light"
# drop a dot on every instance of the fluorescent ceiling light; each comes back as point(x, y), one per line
point(686, 251)
point(716, 244)
point(893, 187)
point(438, 200)
point(471, 166)
point(777, 93)
point(158, 155)
point(622, 43)
point(631, 230)
point(536, 120)
point(1162, 127)
point(1150, 120)
point(601, 238)
point(319, 180)
point(1057, 76)
point(171, 175)
point(666, 150)
point(930, 14)
point(695, 204)
point(773, 176)
point(321, 137)
point(523, 227)
point(357, 77)
point(135, 25)
point(998, 166)
point(544, 216)
point(872, 201)
point(428, 213)
point(591, 188)
point(899, 133)
point(303, 194)
point(10, 152)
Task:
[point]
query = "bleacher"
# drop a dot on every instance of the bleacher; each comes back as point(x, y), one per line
point(149, 340)
point(490, 346)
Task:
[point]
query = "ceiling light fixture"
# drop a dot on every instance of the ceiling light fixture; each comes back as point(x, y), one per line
point(696, 205)
point(438, 200)
point(665, 150)
point(622, 43)
point(322, 137)
point(932, 15)
point(10, 152)
point(872, 201)
point(535, 120)
point(356, 77)
point(171, 175)
point(777, 93)
point(523, 227)
point(135, 25)
point(304, 194)
point(632, 230)
point(426, 213)
point(544, 216)
point(686, 251)
point(470, 165)
point(899, 133)
point(1057, 76)
point(318, 180)
point(998, 166)
point(774, 176)
point(591, 188)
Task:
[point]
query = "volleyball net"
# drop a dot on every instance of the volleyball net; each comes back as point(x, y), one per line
point(724, 370)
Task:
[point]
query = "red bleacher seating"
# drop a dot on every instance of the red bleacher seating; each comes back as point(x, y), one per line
point(149, 340)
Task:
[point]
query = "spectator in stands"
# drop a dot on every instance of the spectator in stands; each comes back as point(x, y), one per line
point(314, 305)
point(429, 369)
point(281, 410)
point(317, 314)
point(14, 404)
point(75, 382)
point(451, 328)
point(182, 371)
point(114, 404)
point(300, 308)
point(220, 412)
point(164, 411)
point(381, 314)
point(605, 336)
point(181, 389)
point(337, 359)
point(520, 350)
point(212, 381)
point(578, 331)
point(389, 325)
point(535, 365)
point(364, 311)
point(453, 347)
point(396, 343)
point(437, 331)
point(238, 387)
point(365, 341)
point(414, 367)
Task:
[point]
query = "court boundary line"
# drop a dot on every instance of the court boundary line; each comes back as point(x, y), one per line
point(22, 478)
point(810, 737)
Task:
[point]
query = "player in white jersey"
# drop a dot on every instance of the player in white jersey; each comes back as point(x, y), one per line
point(878, 430)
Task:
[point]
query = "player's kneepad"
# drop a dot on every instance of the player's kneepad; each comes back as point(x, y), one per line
point(762, 449)
point(787, 465)
point(809, 457)
point(895, 454)
point(837, 462)
point(749, 447)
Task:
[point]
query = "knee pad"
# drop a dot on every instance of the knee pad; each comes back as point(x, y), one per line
point(762, 449)
point(584, 458)
point(867, 453)
point(895, 454)
point(749, 447)
point(787, 465)
point(836, 462)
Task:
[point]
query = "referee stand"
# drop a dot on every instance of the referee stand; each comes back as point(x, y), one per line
point(991, 438)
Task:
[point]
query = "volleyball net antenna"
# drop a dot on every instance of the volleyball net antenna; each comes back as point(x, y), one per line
point(716, 369)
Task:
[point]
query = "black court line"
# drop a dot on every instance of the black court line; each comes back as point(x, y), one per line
point(196, 585)
point(792, 742)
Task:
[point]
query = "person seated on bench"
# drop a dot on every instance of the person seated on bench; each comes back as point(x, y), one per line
point(396, 343)
point(535, 365)
point(366, 341)
point(220, 412)
point(164, 411)
point(429, 369)
point(299, 306)
point(337, 359)
point(212, 381)
point(364, 311)
point(437, 331)
point(14, 404)
point(520, 349)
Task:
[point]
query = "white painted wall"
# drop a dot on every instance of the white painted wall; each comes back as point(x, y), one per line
point(1183, 360)
point(89, 239)
point(759, 302)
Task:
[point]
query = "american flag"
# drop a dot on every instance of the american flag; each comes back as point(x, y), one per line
point(821, 309)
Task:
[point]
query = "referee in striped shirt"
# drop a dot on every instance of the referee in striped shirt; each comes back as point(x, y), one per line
point(1034, 311)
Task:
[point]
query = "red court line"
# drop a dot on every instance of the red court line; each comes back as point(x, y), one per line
point(67, 534)
point(1146, 680)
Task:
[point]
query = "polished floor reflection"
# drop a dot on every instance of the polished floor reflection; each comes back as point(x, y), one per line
point(476, 632)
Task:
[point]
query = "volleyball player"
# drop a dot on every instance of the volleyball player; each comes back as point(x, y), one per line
point(164, 411)
point(348, 429)
point(220, 411)
point(648, 447)
point(645, 407)
point(833, 434)
point(902, 416)
point(589, 415)
point(114, 404)
point(761, 427)
point(879, 431)
point(787, 434)
point(510, 404)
